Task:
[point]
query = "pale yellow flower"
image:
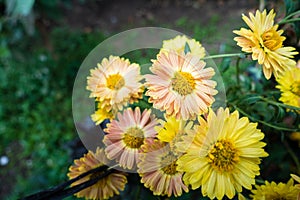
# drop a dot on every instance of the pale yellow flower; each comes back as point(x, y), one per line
point(224, 155)
point(178, 44)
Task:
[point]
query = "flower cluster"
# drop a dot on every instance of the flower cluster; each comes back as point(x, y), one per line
point(188, 145)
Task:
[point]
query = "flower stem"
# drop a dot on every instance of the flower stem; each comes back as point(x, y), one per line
point(240, 55)
point(238, 71)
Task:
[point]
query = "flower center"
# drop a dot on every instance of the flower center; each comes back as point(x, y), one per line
point(295, 88)
point(183, 83)
point(115, 82)
point(134, 137)
point(271, 40)
point(223, 156)
point(170, 168)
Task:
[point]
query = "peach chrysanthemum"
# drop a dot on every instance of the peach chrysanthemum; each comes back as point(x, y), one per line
point(224, 156)
point(178, 44)
point(180, 85)
point(106, 187)
point(158, 170)
point(265, 43)
point(272, 190)
point(127, 134)
point(289, 85)
point(115, 83)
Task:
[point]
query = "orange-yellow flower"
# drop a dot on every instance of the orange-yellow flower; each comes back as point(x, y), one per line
point(106, 187)
point(265, 43)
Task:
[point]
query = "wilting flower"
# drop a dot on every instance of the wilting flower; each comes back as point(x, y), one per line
point(224, 156)
point(127, 134)
point(115, 83)
point(289, 85)
point(178, 44)
point(172, 130)
point(158, 169)
point(265, 43)
point(180, 85)
point(106, 187)
point(275, 191)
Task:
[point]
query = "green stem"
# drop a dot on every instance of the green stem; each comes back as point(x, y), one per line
point(238, 71)
point(289, 20)
point(241, 55)
point(291, 15)
point(293, 155)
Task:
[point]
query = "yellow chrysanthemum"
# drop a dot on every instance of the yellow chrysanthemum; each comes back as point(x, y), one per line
point(101, 114)
point(289, 85)
point(265, 43)
point(115, 83)
point(178, 44)
point(275, 191)
point(158, 169)
point(224, 156)
point(106, 187)
point(172, 130)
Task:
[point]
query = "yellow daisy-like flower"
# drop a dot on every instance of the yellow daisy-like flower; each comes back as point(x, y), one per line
point(265, 43)
point(180, 85)
point(289, 85)
point(127, 134)
point(172, 130)
point(178, 44)
point(106, 187)
point(224, 156)
point(275, 191)
point(158, 169)
point(115, 82)
point(101, 114)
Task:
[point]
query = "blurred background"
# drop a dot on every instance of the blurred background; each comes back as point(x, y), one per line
point(42, 45)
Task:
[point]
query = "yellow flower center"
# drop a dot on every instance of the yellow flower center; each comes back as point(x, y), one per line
point(134, 137)
point(115, 82)
point(171, 165)
point(295, 88)
point(271, 40)
point(223, 156)
point(183, 83)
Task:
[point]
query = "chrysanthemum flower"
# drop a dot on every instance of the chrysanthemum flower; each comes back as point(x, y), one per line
point(178, 44)
point(275, 191)
point(180, 85)
point(106, 187)
point(289, 85)
point(101, 114)
point(127, 134)
point(224, 156)
point(265, 43)
point(115, 82)
point(171, 131)
point(158, 169)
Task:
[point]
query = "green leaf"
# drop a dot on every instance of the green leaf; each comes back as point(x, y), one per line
point(225, 64)
point(290, 6)
point(187, 48)
point(19, 7)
